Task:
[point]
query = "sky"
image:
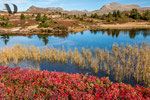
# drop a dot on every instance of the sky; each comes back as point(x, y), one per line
point(70, 4)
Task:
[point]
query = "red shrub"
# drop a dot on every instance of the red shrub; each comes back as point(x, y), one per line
point(20, 84)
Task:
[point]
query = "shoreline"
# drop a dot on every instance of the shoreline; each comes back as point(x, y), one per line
point(33, 30)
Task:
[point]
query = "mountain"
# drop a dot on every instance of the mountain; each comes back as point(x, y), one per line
point(104, 10)
point(115, 6)
point(38, 10)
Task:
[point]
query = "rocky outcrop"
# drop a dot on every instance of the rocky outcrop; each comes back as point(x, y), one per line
point(50, 9)
point(115, 6)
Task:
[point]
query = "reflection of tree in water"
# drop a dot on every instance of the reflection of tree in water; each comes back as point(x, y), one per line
point(113, 33)
point(44, 38)
point(30, 37)
point(5, 38)
point(146, 33)
point(93, 31)
point(82, 33)
point(132, 33)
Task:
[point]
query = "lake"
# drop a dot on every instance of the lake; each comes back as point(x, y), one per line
point(87, 39)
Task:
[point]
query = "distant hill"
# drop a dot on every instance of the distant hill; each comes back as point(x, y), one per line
point(104, 10)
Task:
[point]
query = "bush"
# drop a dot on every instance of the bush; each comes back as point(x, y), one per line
point(81, 19)
point(33, 15)
point(94, 15)
point(44, 24)
point(25, 84)
point(61, 27)
point(3, 18)
point(6, 24)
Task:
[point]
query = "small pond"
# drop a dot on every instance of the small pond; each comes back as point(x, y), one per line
point(87, 39)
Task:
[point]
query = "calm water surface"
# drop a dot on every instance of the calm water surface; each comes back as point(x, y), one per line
point(86, 39)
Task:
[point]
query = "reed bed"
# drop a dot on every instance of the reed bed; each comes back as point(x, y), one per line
point(123, 62)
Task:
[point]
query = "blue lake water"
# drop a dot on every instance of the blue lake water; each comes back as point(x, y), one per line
point(86, 39)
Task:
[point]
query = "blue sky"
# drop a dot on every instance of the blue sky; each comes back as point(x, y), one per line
point(70, 4)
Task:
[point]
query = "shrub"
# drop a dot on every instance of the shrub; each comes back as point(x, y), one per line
point(44, 24)
point(29, 84)
point(81, 19)
point(33, 15)
point(61, 27)
point(6, 24)
point(3, 18)
point(95, 15)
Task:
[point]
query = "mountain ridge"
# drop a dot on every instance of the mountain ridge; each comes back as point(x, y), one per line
point(104, 10)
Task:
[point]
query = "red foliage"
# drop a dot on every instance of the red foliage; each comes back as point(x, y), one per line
point(29, 84)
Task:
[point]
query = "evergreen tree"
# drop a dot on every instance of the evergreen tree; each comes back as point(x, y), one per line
point(135, 14)
point(110, 15)
point(38, 17)
point(103, 17)
point(33, 15)
point(22, 17)
point(84, 15)
point(118, 14)
point(115, 14)
point(146, 15)
point(95, 16)
point(75, 16)
point(44, 18)
point(91, 15)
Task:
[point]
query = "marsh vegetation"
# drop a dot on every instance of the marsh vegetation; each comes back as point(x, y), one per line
point(122, 62)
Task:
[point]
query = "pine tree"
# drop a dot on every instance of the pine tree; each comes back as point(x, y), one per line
point(118, 14)
point(110, 15)
point(44, 18)
point(135, 14)
point(146, 15)
point(22, 17)
point(115, 14)
point(95, 16)
point(84, 15)
point(38, 17)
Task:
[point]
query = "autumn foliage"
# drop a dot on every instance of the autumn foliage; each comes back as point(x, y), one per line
point(16, 83)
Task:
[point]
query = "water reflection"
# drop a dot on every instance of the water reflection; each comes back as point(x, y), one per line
point(5, 38)
point(115, 33)
point(86, 39)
